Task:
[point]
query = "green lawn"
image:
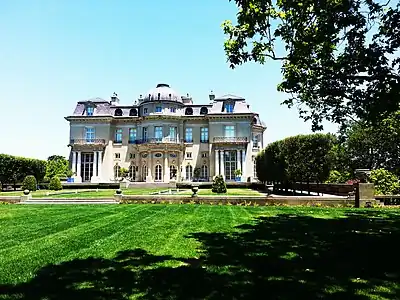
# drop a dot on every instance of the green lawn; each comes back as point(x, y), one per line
point(197, 252)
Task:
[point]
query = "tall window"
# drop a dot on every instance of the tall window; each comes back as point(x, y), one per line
point(145, 172)
point(255, 140)
point(172, 109)
point(144, 133)
point(204, 172)
point(158, 133)
point(189, 172)
point(158, 109)
point(132, 135)
point(132, 172)
point(189, 135)
point(172, 133)
point(204, 134)
point(229, 107)
point(89, 111)
point(158, 173)
point(145, 111)
point(117, 171)
point(254, 168)
point(230, 164)
point(89, 134)
point(229, 131)
point(172, 172)
point(118, 135)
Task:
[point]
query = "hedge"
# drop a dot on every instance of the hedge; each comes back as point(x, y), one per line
point(13, 169)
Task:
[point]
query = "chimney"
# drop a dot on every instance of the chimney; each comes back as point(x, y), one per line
point(211, 96)
point(114, 99)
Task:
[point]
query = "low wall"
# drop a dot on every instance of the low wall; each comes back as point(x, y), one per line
point(237, 200)
point(339, 189)
point(147, 185)
point(88, 185)
point(10, 199)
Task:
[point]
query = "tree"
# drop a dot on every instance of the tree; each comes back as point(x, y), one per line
point(29, 183)
point(57, 166)
point(338, 60)
point(386, 183)
point(376, 146)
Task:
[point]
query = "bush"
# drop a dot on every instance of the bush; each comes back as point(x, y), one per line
point(386, 183)
point(55, 184)
point(338, 177)
point(29, 183)
point(219, 185)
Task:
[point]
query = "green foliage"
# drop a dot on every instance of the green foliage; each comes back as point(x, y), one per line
point(14, 169)
point(386, 183)
point(374, 146)
point(338, 177)
point(219, 185)
point(29, 183)
point(55, 184)
point(337, 57)
point(57, 166)
point(303, 158)
point(123, 172)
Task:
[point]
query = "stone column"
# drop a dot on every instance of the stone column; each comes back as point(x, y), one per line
point(166, 168)
point(183, 172)
point(95, 157)
point(100, 165)
point(78, 177)
point(222, 164)
point(73, 164)
point(216, 162)
point(149, 177)
point(238, 160)
point(244, 175)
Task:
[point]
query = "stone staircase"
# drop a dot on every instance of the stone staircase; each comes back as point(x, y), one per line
point(69, 201)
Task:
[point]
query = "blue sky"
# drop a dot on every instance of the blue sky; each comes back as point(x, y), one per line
point(55, 53)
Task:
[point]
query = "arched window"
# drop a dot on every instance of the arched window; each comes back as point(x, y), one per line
point(189, 172)
point(117, 171)
point(144, 172)
point(203, 111)
point(158, 173)
point(204, 172)
point(133, 112)
point(118, 112)
point(189, 111)
point(172, 172)
point(132, 172)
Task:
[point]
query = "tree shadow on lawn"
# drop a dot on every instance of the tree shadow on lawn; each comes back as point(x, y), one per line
point(281, 257)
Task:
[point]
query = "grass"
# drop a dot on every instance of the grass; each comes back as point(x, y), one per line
point(197, 252)
point(136, 191)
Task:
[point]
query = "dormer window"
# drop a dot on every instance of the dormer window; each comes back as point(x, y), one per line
point(89, 111)
point(172, 109)
point(158, 109)
point(229, 107)
point(118, 112)
point(203, 111)
point(189, 111)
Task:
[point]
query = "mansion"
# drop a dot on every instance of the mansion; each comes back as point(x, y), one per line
point(164, 137)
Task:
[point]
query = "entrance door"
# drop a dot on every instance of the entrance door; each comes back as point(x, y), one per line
point(158, 173)
point(87, 166)
point(230, 164)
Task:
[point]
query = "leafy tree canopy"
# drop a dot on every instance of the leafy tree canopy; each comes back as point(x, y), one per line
point(339, 58)
point(57, 166)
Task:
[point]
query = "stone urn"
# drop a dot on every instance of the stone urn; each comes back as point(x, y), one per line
point(26, 192)
point(195, 189)
point(118, 192)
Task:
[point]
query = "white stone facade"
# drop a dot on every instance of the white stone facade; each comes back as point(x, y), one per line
point(164, 137)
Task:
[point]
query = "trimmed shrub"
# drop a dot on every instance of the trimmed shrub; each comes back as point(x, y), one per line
point(29, 183)
point(55, 184)
point(219, 185)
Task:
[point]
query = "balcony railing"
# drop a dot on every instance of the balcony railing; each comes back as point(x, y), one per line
point(87, 142)
point(165, 140)
point(233, 140)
